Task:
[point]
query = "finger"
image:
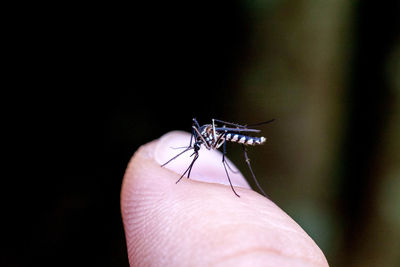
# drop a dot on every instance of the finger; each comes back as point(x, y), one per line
point(200, 223)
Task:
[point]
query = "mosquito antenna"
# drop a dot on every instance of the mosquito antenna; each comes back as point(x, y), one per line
point(189, 148)
point(260, 123)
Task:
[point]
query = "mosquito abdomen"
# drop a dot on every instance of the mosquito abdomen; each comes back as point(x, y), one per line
point(244, 139)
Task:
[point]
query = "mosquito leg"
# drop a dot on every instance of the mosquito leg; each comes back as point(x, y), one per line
point(229, 123)
point(214, 133)
point(260, 123)
point(191, 140)
point(244, 126)
point(238, 130)
point(226, 171)
point(187, 149)
point(230, 168)
point(189, 168)
point(195, 122)
point(191, 137)
point(219, 143)
point(195, 158)
point(220, 138)
point(251, 170)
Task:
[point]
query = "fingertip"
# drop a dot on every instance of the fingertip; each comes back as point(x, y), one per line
point(189, 220)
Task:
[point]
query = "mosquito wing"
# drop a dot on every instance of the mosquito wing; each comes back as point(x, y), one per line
point(223, 129)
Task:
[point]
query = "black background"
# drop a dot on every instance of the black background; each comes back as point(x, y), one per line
point(94, 83)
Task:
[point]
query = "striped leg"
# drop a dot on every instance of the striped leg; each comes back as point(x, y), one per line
point(251, 170)
point(226, 171)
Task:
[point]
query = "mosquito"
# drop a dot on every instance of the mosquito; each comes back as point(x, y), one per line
point(212, 136)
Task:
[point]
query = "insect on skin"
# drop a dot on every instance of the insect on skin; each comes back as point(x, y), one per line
point(212, 136)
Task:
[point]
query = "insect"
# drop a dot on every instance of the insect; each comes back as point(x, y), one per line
point(212, 136)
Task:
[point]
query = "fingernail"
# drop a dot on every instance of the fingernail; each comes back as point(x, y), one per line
point(207, 168)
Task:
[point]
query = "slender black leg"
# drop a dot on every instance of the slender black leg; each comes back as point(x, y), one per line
point(260, 123)
point(190, 144)
point(229, 123)
point(194, 160)
point(237, 130)
point(187, 149)
point(230, 168)
point(251, 170)
point(244, 126)
point(191, 138)
point(189, 169)
point(226, 171)
point(197, 124)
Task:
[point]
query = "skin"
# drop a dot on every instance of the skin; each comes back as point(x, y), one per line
point(199, 221)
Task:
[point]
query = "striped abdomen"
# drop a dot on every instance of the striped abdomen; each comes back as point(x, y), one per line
point(244, 139)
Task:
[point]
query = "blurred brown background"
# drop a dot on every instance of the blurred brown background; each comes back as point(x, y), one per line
point(330, 72)
point(95, 81)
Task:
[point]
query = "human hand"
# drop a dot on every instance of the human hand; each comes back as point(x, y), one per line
point(200, 221)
